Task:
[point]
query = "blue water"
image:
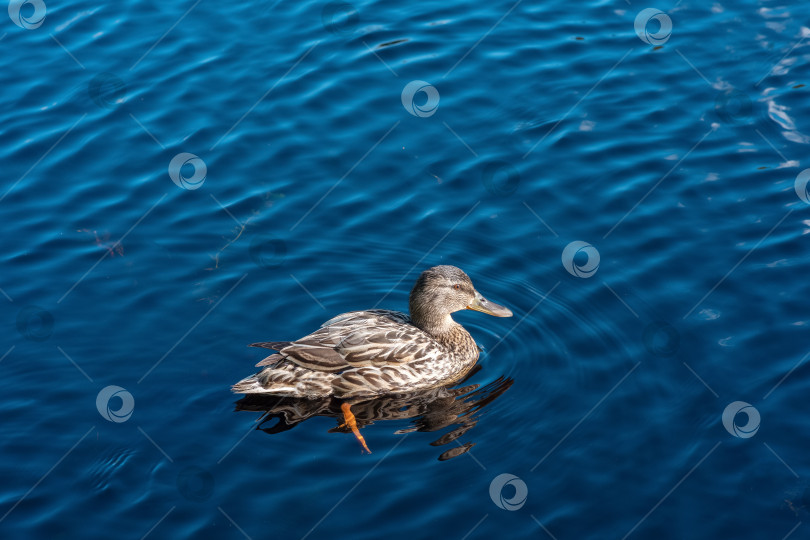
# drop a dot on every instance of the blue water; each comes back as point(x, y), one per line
point(671, 154)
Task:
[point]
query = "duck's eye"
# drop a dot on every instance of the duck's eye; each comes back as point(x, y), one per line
point(457, 286)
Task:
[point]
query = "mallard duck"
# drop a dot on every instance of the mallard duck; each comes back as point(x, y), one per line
point(375, 352)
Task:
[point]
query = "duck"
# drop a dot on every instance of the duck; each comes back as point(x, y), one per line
point(376, 352)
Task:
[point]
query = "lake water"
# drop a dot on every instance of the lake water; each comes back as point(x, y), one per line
point(181, 179)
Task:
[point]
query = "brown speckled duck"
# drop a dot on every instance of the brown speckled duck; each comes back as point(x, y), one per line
point(375, 352)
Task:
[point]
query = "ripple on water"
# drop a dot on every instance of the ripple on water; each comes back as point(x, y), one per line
point(103, 472)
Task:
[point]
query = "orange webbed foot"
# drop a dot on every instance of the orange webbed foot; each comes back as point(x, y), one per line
point(350, 421)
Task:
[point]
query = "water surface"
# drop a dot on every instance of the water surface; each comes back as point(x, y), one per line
point(318, 187)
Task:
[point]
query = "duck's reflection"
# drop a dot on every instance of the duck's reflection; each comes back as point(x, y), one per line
point(457, 407)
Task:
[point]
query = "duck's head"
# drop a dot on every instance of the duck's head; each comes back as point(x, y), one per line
point(442, 290)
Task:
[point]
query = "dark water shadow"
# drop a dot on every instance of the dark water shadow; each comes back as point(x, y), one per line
point(457, 407)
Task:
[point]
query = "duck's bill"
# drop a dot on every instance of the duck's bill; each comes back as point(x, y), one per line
point(490, 308)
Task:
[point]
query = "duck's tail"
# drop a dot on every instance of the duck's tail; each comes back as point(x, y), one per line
point(275, 345)
point(273, 359)
point(286, 379)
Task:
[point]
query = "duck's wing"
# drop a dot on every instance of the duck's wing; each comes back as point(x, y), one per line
point(356, 339)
